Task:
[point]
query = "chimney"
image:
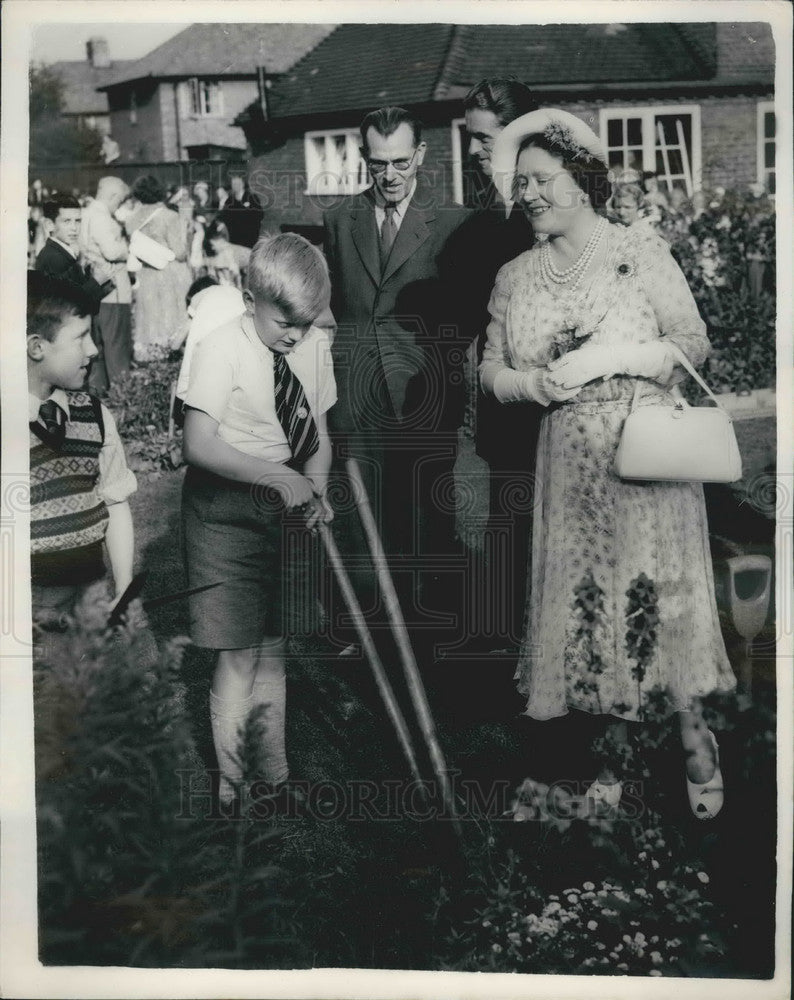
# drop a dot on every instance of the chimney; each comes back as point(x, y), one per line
point(98, 54)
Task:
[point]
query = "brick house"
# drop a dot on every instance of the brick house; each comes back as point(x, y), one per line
point(81, 99)
point(691, 102)
point(180, 101)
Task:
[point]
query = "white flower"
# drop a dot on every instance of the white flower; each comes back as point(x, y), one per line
point(704, 878)
point(588, 886)
point(654, 864)
point(654, 972)
point(592, 925)
point(656, 958)
point(661, 886)
point(496, 948)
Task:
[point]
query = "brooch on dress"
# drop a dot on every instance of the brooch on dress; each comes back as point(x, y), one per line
point(626, 269)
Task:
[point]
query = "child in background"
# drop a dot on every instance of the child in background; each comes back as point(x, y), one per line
point(627, 204)
point(79, 480)
point(209, 305)
point(257, 448)
point(221, 259)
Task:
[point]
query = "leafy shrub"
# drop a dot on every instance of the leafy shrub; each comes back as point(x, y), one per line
point(727, 253)
point(133, 870)
point(140, 401)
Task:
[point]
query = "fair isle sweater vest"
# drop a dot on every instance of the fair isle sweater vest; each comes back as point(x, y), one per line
point(66, 513)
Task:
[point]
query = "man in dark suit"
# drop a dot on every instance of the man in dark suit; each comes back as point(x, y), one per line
point(242, 213)
point(60, 255)
point(506, 436)
point(399, 351)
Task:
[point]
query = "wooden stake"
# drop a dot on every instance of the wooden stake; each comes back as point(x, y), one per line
point(394, 611)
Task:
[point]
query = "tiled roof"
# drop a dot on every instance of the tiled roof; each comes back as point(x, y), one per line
point(80, 80)
point(362, 66)
point(225, 50)
point(548, 54)
point(365, 65)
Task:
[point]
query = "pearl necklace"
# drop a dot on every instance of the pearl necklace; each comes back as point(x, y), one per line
point(576, 271)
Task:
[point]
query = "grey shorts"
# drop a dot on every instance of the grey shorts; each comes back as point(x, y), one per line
point(241, 538)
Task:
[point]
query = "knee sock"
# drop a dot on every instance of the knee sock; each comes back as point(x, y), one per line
point(228, 718)
point(270, 689)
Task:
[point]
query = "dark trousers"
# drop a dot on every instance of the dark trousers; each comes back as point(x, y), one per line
point(112, 332)
point(410, 487)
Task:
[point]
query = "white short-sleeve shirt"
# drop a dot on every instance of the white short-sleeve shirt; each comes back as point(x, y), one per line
point(231, 380)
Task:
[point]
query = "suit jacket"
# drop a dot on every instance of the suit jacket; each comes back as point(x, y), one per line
point(53, 259)
point(401, 337)
point(490, 240)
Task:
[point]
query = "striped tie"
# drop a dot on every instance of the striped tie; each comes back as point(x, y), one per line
point(52, 417)
point(292, 410)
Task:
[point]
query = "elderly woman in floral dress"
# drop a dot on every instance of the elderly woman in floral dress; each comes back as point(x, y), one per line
point(622, 617)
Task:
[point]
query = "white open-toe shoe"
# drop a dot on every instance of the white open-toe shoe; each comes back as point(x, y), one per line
point(707, 799)
point(607, 795)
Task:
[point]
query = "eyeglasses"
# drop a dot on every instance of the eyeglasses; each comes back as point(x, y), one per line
point(378, 167)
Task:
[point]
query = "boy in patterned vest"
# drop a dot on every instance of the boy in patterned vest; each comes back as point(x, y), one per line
point(79, 480)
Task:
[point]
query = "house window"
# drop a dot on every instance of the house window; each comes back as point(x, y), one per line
point(334, 164)
point(206, 98)
point(660, 140)
point(766, 145)
point(133, 108)
point(460, 144)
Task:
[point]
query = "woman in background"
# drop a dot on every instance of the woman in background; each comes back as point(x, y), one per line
point(158, 311)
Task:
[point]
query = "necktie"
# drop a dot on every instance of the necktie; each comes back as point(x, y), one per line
point(293, 412)
point(388, 232)
point(51, 415)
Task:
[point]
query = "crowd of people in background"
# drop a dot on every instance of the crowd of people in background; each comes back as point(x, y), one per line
point(208, 233)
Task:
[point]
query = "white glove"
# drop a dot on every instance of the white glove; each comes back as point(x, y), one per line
point(652, 360)
point(535, 386)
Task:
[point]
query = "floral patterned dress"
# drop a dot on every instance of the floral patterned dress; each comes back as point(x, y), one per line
point(621, 618)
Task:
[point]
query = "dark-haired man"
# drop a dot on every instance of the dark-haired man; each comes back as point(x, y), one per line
point(400, 343)
point(60, 255)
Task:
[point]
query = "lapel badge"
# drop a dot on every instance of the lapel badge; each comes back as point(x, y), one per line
point(302, 412)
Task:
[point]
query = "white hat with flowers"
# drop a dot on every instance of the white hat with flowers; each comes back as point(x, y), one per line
point(561, 128)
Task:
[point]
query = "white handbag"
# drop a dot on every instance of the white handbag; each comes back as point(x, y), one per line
point(679, 443)
point(145, 249)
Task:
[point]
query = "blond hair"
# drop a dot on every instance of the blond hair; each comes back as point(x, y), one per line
point(289, 272)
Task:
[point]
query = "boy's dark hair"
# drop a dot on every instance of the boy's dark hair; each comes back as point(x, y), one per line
point(386, 121)
point(198, 286)
point(148, 190)
point(53, 300)
point(50, 209)
point(507, 99)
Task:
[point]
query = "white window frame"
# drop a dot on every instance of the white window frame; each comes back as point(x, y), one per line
point(457, 160)
point(647, 114)
point(321, 147)
point(763, 108)
point(198, 104)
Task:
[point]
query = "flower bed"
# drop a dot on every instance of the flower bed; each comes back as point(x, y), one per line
point(727, 253)
point(140, 401)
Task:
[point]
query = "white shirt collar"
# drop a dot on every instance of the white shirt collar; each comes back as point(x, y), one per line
point(66, 246)
point(34, 403)
point(400, 208)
